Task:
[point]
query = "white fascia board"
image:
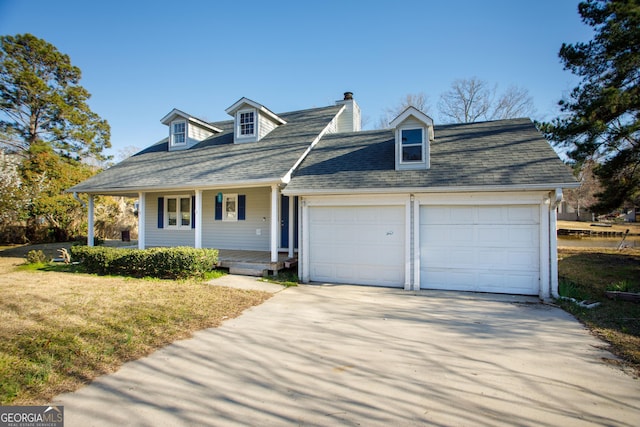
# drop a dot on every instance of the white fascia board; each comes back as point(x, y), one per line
point(287, 177)
point(264, 110)
point(183, 188)
point(239, 103)
point(166, 120)
point(204, 124)
point(273, 116)
point(411, 111)
point(411, 190)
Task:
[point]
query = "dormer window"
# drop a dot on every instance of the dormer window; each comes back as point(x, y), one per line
point(178, 133)
point(252, 121)
point(246, 120)
point(412, 145)
point(185, 131)
point(413, 133)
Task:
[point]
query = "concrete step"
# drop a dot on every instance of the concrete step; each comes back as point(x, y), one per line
point(247, 269)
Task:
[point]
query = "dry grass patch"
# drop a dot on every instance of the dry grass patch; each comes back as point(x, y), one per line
point(588, 273)
point(58, 331)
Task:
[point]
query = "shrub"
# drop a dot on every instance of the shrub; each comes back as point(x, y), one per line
point(36, 257)
point(165, 263)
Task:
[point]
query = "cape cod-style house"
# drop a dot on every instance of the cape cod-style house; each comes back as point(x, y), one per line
point(417, 206)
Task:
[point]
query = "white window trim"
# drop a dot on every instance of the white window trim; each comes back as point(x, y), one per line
point(178, 225)
point(239, 134)
point(172, 136)
point(225, 216)
point(422, 147)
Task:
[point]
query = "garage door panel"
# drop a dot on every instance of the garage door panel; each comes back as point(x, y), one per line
point(480, 248)
point(442, 278)
point(522, 214)
point(523, 235)
point(357, 244)
point(524, 260)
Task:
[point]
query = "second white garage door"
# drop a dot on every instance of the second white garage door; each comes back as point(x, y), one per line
point(480, 248)
point(361, 245)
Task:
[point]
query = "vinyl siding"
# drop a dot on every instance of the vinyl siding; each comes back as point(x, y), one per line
point(349, 120)
point(197, 134)
point(265, 126)
point(412, 122)
point(162, 236)
point(238, 234)
point(218, 234)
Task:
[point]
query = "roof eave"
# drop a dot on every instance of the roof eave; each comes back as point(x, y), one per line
point(452, 189)
point(128, 191)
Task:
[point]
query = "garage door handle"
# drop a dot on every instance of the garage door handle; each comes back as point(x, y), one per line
point(389, 233)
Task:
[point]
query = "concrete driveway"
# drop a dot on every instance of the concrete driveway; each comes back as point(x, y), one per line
point(346, 355)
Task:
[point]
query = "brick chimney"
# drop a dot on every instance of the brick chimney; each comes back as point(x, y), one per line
point(349, 119)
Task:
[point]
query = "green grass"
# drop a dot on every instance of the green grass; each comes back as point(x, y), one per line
point(586, 274)
point(61, 329)
point(286, 278)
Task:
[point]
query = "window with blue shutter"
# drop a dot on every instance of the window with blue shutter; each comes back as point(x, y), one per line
point(160, 212)
point(218, 210)
point(193, 211)
point(231, 207)
point(242, 200)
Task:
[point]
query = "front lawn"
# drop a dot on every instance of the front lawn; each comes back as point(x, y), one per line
point(585, 274)
point(59, 330)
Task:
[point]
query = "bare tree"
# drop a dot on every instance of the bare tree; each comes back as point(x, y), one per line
point(514, 102)
point(473, 99)
point(585, 196)
point(419, 101)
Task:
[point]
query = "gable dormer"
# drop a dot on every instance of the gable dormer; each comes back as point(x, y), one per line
point(252, 121)
point(185, 131)
point(413, 133)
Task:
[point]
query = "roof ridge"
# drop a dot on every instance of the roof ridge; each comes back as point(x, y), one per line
point(327, 107)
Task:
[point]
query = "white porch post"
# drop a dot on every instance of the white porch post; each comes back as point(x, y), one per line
point(198, 215)
point(303, 242)
point(141, 219)
point(544, 249)
point(90, 225)
point(553, 242)
point(292, 221)
point(274, 223)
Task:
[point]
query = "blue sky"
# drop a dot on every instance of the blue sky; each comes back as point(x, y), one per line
point(140, 59)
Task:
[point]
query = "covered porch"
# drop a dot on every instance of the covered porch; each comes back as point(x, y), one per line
point(262, 218)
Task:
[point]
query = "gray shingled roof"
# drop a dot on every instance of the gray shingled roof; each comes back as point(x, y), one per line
point(505, 153)
point(215, 161)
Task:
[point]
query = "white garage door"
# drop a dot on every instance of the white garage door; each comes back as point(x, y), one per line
point(480, 248)
point(361, 245)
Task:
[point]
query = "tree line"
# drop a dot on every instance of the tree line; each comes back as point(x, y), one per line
point(50, 139)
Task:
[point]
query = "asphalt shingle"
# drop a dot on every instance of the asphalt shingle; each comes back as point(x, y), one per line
point(492, 154)
point(216, 159)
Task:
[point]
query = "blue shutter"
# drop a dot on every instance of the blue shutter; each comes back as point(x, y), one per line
point(242, 199)
point(218, 210)
point(160, 212)
point(193, 211)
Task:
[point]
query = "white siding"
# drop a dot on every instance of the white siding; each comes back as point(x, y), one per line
point(349, 120)
point(197, 134)
point(412, 122)
point(265, 126)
